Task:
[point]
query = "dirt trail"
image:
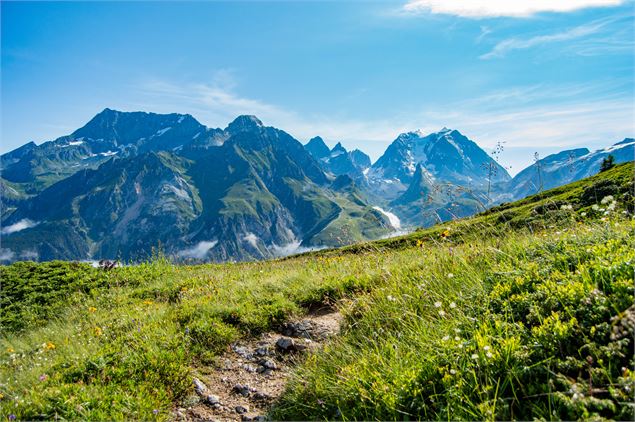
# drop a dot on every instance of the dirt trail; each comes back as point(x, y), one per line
point(248, 379)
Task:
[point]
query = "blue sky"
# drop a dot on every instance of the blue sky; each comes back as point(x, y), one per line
point(539, 75)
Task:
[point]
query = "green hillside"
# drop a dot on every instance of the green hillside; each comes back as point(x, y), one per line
point(525, 311)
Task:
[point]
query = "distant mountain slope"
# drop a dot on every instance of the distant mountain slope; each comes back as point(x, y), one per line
point(110, 133)
point(564, 167)
point(256, 194)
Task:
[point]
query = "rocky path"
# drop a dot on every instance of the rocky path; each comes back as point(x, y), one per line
point(248, 379)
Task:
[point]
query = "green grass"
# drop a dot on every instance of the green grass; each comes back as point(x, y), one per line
point(508, 315)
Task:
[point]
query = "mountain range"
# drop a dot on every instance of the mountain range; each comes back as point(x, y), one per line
point(129, 182)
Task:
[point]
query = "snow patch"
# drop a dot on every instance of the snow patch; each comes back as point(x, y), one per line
point(108, 153)
point(394, 220)
point(252, 239)
point(180, 119)
point(19, 226)
point(199, 251)
point(72, 144)
point(614, 147)
point(162, 131)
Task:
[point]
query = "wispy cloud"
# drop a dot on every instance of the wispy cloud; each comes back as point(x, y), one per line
point(511, 44)
point(19, 226)
point(216, 104)
point(476, 9)
point(198, 251)
point(536, 116)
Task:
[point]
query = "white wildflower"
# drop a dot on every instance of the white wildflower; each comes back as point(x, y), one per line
point(446, 338)
point(437, 304)
point(457, 338)
point(489, 355)
point(607, 199)
point(452, 372)
point(450, 275)
point(474, 356)
point(442, 313)
point(452, 305)
point(595, 207)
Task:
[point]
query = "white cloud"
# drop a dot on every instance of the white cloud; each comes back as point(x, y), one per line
point(252, 239)
point(216, 104)
point(19, 226)
point(511, 44)
point(536, 116)
point(293, 248)
point(6, 254)
point(30, 255)
point(502, 8)
point(199, 251)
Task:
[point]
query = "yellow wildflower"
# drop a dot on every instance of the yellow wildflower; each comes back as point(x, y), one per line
point(147, 302)
point(49, 346)
point(98, 331)
point(92, 309)
point(10, 350)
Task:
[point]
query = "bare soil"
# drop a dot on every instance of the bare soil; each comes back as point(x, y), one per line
point(248, 379)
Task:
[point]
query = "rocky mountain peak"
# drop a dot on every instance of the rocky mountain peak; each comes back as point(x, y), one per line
point(244, 123)
point(317, 148)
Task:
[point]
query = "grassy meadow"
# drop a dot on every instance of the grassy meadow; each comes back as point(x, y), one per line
point(522, 312)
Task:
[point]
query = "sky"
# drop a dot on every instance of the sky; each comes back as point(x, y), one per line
point(537, 75)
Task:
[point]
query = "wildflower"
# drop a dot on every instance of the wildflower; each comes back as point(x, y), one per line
point(442, 313)
point(98, 331)
point(607, 199)
point(49, 346)
point(611, 206)
point(43, 377)
point(452, 305)
point(11, 417)
point(566, 207)
point(489, 355)
point(155, 411)
point(445, 233)
point(92, 309)
point(595, 207)
point(10, 350)
point(446, 338)
point(457, 338)
point(486, 348)
point(391, 298)
point(457, 330)
point(450, 275)
point(452, 371)
point(147, 302)
point(583, 214)
point(474, 356)
point(437, 304)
